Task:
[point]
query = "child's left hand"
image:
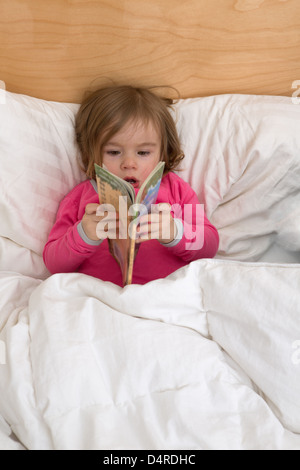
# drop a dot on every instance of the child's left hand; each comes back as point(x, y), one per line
point(158, 224)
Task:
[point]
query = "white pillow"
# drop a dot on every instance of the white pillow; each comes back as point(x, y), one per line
point(242, 159)
point(38, 167)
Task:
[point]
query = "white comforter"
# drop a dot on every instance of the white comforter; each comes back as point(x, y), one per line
point(208, 358)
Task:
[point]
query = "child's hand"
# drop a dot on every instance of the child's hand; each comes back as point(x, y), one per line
point(159, 224)
point(90, 220)
point(92, 217)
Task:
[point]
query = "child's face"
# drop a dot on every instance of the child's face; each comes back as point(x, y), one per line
point(133, 152)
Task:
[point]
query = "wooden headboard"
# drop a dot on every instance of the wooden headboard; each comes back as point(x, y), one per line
point(56, 49)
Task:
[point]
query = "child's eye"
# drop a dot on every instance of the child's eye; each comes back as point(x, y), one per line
point(143, 153)
point(113, 153)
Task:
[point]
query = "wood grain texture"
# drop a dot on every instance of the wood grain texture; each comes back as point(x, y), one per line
point(55, 50)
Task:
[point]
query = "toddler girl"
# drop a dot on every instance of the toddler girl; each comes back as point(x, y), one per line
point(128, 131)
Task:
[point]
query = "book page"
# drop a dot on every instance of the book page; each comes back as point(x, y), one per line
point(147, 195)
point(111, 187)
point(148, 192)
point(110, 190)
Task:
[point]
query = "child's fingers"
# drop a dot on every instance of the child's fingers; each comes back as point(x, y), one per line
point(108, 226)
point(94, 215)
point(148, 226)
point(158, 225)
point(161, 207)
point(107, 209)
point(149, 219)
point(106, 232)
point(91, 208)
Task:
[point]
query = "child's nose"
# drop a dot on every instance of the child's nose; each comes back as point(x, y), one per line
point(129, 161)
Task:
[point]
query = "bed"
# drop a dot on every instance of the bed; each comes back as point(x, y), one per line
point(209, 357)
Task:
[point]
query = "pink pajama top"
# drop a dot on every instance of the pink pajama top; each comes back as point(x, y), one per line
point(68, 249)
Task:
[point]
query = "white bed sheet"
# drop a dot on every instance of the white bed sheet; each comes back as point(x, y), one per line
point(204, 359)
point(7, 440)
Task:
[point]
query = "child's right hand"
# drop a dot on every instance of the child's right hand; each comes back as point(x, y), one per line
point(90, 221)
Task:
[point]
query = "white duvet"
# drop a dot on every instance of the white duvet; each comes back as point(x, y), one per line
point(208, 358)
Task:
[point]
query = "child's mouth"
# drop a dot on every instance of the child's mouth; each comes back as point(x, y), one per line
point(133, 181)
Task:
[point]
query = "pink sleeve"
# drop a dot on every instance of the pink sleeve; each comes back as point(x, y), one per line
point(200, 238)
point(65, 249)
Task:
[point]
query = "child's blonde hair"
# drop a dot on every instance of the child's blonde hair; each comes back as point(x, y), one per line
point(104, 112)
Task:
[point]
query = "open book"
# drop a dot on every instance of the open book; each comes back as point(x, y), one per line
point(121, 195)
